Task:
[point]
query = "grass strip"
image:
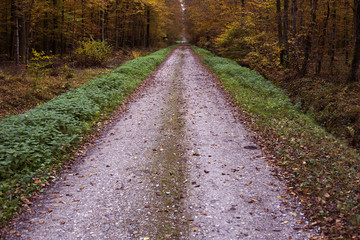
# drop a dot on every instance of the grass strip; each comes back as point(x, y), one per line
point(321, 170)
point(34, 145)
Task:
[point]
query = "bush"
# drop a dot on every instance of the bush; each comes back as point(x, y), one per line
point(92, 53)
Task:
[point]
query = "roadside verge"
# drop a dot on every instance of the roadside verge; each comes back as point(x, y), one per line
point(322, 171)
point(35, 145)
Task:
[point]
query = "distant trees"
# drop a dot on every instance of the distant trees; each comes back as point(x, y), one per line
point(57, 26)
point(353, 76)
point(301, 36)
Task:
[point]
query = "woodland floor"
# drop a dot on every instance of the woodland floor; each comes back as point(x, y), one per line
point(176, 164)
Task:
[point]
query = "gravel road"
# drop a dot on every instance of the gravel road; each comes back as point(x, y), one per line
point(176, 164)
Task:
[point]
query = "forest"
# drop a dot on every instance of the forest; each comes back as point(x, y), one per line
point(58, 26)
point(288, 66)
point(311, 48)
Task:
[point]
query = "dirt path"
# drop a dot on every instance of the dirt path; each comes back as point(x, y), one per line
point(176, 165)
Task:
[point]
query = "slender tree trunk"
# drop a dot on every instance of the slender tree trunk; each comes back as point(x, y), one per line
point(62, 30)
point(280, 30)
point(346, 37)
point(353, 75)
point(148, 28)
point(294, 16)
point(82, 18)
point(117, 25)
point(17, 45)
point(74, 26)
point(45, 34)
point(308, 40)
point(285, 34)
point(102, 22)
point(12, 45)
point(333, 38)
point(23, 34)
point(29, 32)
point(322, 41)
point(55, 27)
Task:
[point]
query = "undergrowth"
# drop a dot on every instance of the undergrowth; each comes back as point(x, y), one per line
point(34, 145)
point(322, 170)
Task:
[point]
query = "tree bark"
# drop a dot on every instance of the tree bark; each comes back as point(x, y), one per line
point(353, 75)
point(148, 28)
point(308, 40)
point(280, 30)
point(17, 40)
point(333, 38)
point(294, 16)
point(285, 34)
point(321, 49)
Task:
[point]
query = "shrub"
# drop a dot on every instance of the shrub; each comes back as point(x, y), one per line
point(92, 53)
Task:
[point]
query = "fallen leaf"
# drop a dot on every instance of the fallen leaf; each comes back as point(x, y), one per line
point(25, 200)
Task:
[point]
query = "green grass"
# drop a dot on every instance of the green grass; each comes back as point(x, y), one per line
point(34, 145)
point(322, 170)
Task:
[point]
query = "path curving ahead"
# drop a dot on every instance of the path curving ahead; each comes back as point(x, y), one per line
point(175, 165)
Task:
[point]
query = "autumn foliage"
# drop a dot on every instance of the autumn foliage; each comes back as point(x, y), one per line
point(60, 26)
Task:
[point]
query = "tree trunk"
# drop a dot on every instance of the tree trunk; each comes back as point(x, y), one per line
point(102, 23)
point(29, 32)
point(55, 28)
point(23, 35)
point(280, 30)
point(308, 40)
point(17, 40)
point(12, 45)
point(294, 16)
point(285, 34)
point(62, 50)
point(353, 75)
point(148, 28)
point(346, 36)
point(333, 39)
point(322, 41)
